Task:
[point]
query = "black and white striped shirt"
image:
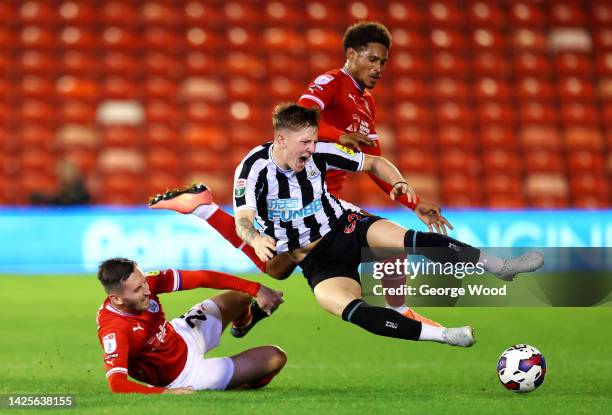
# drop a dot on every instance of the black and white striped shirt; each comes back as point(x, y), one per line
point(293, 208)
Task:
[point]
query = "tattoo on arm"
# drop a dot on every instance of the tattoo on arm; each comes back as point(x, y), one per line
point(245, 230)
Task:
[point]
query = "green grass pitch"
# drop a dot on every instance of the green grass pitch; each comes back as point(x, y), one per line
point(49, 346)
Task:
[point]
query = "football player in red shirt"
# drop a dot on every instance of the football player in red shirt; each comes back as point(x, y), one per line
point(169, 356)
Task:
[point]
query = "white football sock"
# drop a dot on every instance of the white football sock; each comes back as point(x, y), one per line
point(401, 309)
point(205, 211)
point(490, 262)
point(432, 333)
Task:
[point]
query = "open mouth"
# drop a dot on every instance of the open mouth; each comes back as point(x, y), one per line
point(303, 159)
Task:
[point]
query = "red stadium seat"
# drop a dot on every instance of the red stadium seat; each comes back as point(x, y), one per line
point(527, 14)
point(529, 64)
point(73, 12)
point(161, 112)
point(78, 112)
point(210, 138)
point(358, 10)
point(162, 63)
point(583, 137)
point(239, 38)
point(157, 87)
point(283, 39)
point(537, 113)
point(503, 183)
point(240, 63)
point(324, 14)
point(120, 136)
point(36, 87)
point(118, 63)
point(70, 87)
point(159, 13)
point(35, 137)
point(528, 39)
point(447, 39)
point(601, 12)
point(503, 201)
point(202, 12)
point(579, 113)
point(161, 135)
point(604, 64)
point(495, 113)
point(591, 202)
point(34, 62)
point(450, 112)
point(458, 160)
point(496, 136)
point(567, 13)
point(74, 62)
point(416, 160)
point(490, 63)
point(543, 161)
point(34, 182)
point(408, 40)
point(486, 13)
point(405, 14)
point(459, 190)
point(36, 12)
point(488, 39)
point(575, 89)
point(447, 89)
point(121, 189)
point(535, 137)
point(407, 63)
point(163, 160)
point(573, 64)
point(78, 38)
point(586, 161)
point(199, 63)
point(454, 137)
point(405, 88)
point(283, 89)
point(323, 40)
point(534, 89)
point(445, 14)
point(602, 39)
point(500, 161)
point(411, 136)
point(35, 37)
point(201, 112)
point(36, 160)
point(547, 191)
point(242, 88)
point(117, 12)
point(492, 89)
point(84, 159)
point(7, 38)
point(202, 160)
point(117, 87)
point(161, 181)
point(278, 62)
point(409, 112)
point(447, 63)
point(163, 39)
point(8, 11)
point(242, 13)
point(36, 112)
point(279, 13)
point(588, 184)
point(120, 39)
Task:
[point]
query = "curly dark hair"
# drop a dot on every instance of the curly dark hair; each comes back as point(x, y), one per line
point(358, 35)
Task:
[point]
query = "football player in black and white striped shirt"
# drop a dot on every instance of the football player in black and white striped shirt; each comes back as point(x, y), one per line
point(281, 187)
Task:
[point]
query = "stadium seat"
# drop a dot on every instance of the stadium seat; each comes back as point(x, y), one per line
point(36, 12)
point(35, 137)
point(409, 88)
point(119, 63)
point(119, 38)
point(203, 113)
point(36, 37)
point(160, 181)
point(427, 186)
point(530, 64)
point(125, 136)
point(579, 113)
point(505, 202)
point(199, 63)
point(33, 62)
point(529, 40)
point(492, 89)
point(241, 38)
point(159, 13)
point(416, 160)
point(36, 160)
point(566, 13)
point(603, 64)
point(486, 13)
point(458, 160)
point(499, 183)
point(278, 13)
point(319, 13)
point(585, 161)
point(591, 202)
point(84, 159)
point(543, 161)
point(537, 113)
point(161, 135)
point(445, 14)
point(326, 40)
point(447, 39)
point(601, 13)
point(35, 112)
point(526, 14)
point(588, 184)
point(500, 161)
point(210, 138)
point(201, 12)
point(74, 62)
point(117, 160)
point(202, 160)
point(69, 136)
point(76, 111)
point(277, 63)
point(158, 87)
point(70, 87)
point(450, 112)
point(490, 64)
point(242, 88)
point(209, 89)
point(408, 40)
point(447, 63)
point(575, 89)
point(33, 182)
point(283, 89)
point(162, 112)
point(409, 112)
point(488, 39)
point(547, 191)
point(163, 160)
point(241, 63)
point(445, 89)
point(160, 38)
point(283, 39)
point(121, 189)
point(119, 88)
point(602, 39)
point(573, 64)
point(8, 11)
point(495, 113)
point(36, 87)
point(359, 10)
point(583, 137)
point(407, 63)
point(162, 63)
point(73, 12)
point(531, 88)
point(455, 137)
point(405, 14)
point(117, 12)
point(78, 38)
point(460, 190)
point(496, 136)
point(536, 137)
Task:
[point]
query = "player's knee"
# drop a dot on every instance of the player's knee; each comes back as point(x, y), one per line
point(277, 359)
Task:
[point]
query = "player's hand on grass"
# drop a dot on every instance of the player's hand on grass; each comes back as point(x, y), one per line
point(402, 188)
point(268, 299)
point(355, 140)
point(179, 391)
point(265, 247)
point(430, 214)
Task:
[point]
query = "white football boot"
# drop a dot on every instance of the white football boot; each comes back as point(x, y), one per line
point(459, 336)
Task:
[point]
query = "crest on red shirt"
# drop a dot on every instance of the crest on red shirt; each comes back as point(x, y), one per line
point(110, 343)
point(323, 79)
point(153, 306)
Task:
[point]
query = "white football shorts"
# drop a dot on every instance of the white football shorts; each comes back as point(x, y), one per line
point(200, 373)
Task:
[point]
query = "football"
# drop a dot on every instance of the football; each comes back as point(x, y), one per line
point(521, 368)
